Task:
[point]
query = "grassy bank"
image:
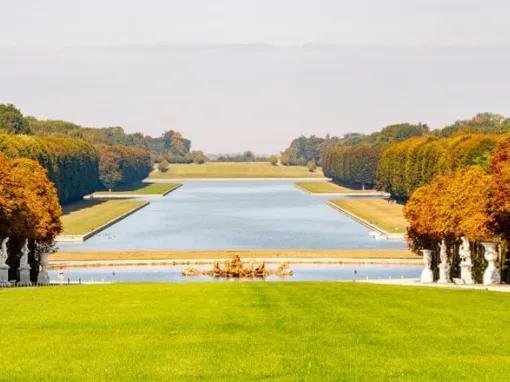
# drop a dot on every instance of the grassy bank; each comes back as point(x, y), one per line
point(87, 215)
point(253, 331)
point(169, 255)
point(234, 170)
point(328, 188)
point(384, 214)
point(140, 189)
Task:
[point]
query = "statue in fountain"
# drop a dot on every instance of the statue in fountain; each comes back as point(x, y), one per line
point(24, 268)
point(444, 267)
point(466, 265)
point(4, 268)
point(427, 276)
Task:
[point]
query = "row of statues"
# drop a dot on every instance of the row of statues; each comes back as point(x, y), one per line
point(235, 268)
point(24, 268)
point(490, 276)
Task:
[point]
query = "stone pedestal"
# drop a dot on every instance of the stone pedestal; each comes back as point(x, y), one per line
point(24, 276)
point(491, 275)
point(466, 275)
point(43, 278)
point(4, 275)
point(427, 276)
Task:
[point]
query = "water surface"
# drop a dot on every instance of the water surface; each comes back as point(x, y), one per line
point(220, 215)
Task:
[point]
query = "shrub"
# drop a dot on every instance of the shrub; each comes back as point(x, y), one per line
point(311, 165)
point(163, 166)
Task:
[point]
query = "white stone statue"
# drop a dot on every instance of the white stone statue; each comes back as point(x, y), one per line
point(466, 265)
point(24, 268)
point(427, 276)
point(444, 267)
point(42, 276)
point(491, 274)
point(4, 268)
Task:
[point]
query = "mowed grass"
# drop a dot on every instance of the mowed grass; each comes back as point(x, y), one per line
point(235, 170)
point(82, 217)
point(253, 331)
point(327, 187)
point(141, 189)
point(259, 253)
point(382, 213)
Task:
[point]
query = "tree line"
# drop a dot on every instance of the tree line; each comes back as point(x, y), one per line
point(77, 160)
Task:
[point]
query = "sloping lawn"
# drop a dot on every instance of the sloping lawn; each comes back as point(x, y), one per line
point(253, 331)
point(327, 188)
point(85, 216)
point(235, 170)
point(384, 214)
point(140, 189)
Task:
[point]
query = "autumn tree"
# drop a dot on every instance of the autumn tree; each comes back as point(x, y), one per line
point(163, 166)
point(273, 159)
point(311, 165)
point(29, 209)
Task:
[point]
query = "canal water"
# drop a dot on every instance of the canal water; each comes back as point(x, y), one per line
point(219, 215)
point(302, 272)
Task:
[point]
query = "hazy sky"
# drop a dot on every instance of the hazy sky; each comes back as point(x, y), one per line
point(235, 75)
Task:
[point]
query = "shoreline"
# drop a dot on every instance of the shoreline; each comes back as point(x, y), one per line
point(211, 179)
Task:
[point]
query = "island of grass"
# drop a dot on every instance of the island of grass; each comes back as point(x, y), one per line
point(332, 188)
point(138, 190)
point(253, 331)
point(383, 215)
point(230, 170)
point(82, 219)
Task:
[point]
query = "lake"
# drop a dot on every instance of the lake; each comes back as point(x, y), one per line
point(219, 215)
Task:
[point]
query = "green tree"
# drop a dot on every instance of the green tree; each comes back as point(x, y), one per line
point(12, 121)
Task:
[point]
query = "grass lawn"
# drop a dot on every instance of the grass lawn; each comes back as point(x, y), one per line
point(253, 331)
point(84, 216)
point(141, 189)
point(277, 253)
point(327, 188)
point(382, 213)
point(235, 170)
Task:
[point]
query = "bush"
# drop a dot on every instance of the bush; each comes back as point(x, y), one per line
point(311, 165)
point(163, 166)
point(198, 157)
point(273, 159)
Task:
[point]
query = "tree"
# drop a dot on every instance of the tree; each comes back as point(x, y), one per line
point(311, 165)
point(273, 159)
point(163, 166)
point(109, 168)
point(500, 189)
point(12, 121)
point(29, 209)
point(198, 157)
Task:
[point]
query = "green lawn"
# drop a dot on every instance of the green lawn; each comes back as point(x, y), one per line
point(253, 331)
point(84, 216)
point(382, 213)
point(235, 170)
point(327, 188)
point(141, 189)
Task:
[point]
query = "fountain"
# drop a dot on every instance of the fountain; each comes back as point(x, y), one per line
point(235, 268)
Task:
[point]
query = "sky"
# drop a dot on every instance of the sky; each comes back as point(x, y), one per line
point(234, 75)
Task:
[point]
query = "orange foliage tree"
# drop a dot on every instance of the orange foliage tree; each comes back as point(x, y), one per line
point(29, 208)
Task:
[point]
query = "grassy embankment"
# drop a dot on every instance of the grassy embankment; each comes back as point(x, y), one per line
point(253, 331)
point(384, 214)
point(148, 189)
point(87, 215)
point(234, 170)
point(277, 253)
point(329, 188)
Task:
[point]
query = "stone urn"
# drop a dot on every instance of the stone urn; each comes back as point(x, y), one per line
point(427, 276)
point(43, 278)
point(491, 274)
